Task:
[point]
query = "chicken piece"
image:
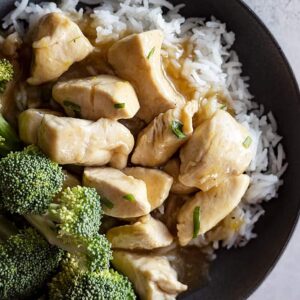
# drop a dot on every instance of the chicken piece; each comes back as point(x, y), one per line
point(152, 276)
point(172, 167)
point(158, 184)
point(123, 196)
point(29, 123)
point(219, 147)
point(164, 135)
point(86, 143)
point(58, 43)
point(213, 206)
point(92, 98)
point(137, 59)
point(147, 233)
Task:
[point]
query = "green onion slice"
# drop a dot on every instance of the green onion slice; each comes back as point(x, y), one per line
point(129, 197)
point(119, 105)
point(107, 202)
point(247, 142)
point(196, 221)
point(74, 107)
point(223, 107)
point(151, 52)
point(77, 38)
point(177, 127)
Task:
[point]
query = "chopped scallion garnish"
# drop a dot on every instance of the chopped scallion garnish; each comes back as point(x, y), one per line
point(119, 105)
point(177, 127)
point(74, 107)
point(129, 197)
point(247, 142)
point(151, 53)
point(196, 221)
point(107, 202)
point(74, 40)
point(223, 107)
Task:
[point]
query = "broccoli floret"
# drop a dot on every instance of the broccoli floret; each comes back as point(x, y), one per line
point(73, 284)
point(29, 181)
point(77, 212)
point(93, 253)
point(6, 73)
point(9, 140)
point(27, 261)
point(72, 223)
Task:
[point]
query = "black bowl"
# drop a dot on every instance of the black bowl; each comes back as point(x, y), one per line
point(235, 274)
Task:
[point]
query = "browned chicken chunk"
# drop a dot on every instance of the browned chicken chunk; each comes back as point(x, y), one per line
point(58, 43)
point(102, 96)
point(136, 58)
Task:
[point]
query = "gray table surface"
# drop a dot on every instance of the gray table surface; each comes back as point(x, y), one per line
point(282, 17)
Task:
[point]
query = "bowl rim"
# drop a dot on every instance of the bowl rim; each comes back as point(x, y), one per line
point(296, 86)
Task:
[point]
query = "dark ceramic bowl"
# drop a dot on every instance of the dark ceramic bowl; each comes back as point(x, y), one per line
point(235, 274)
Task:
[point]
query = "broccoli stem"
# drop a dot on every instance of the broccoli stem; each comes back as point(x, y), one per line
point(47, 228)
point(9, 140)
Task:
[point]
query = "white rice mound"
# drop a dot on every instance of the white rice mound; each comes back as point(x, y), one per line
point(214, 65)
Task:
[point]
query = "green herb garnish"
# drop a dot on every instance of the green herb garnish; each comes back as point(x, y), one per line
point(177, 127)
point(196, 221)
point(151, 53)
point(129, 197)
point(77, 38)
point(107, 202)
point(223, 107)
point(74, 107)
point(119, 105)
point(247, 142)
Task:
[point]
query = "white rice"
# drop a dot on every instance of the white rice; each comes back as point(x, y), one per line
point(214, 65)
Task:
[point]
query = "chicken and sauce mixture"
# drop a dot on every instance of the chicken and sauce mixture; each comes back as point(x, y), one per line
point(168, 168)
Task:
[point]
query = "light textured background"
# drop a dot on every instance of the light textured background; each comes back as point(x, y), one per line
point(282, 17)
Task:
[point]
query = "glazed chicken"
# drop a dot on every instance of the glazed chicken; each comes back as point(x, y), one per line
point(83, 142)
point(152, 276)
point(212, 207)
point(92, 98)
point(29, 122)
point(158, 184)
point(147, 233)
point(137, 59)
point(219, 147)
point(164, 135)
point(172, 167)
point(58, 43)
point(123, 196)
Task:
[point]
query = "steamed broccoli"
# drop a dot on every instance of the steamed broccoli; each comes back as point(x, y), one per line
point(77, 211)
point(6, 73)
point(73, 284)
point(9, 140)
point(27, 261)
point(29, 181)
point(72, 223)
point(93, 253)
